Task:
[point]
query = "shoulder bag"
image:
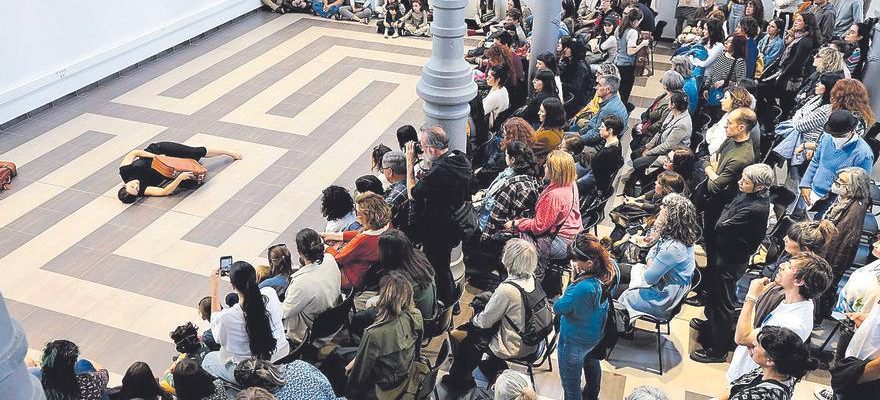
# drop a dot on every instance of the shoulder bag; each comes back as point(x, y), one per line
point(716, 94)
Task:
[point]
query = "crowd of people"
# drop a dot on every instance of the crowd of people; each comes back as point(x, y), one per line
point(746, 98)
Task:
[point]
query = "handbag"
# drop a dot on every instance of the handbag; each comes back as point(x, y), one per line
point(716, 94)
point(759, 65)
point(7, 172)
point(258, 372)
point(465, 220)
point(171, 167)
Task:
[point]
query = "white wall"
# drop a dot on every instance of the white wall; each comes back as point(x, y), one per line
point(51, 48)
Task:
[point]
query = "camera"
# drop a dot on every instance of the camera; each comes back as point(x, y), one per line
point(417, 147)
point(225, 264)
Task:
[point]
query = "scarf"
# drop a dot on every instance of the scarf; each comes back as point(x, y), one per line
point(791, 38)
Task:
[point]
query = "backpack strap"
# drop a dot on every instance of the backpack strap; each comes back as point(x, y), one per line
point(527, 310)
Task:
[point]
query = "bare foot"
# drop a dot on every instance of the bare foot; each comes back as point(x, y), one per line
point(235, 155)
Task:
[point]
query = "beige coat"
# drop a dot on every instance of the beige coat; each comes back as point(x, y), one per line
point(314, 288)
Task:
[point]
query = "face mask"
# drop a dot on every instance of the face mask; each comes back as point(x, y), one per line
point(840, 141)
point(837, 189)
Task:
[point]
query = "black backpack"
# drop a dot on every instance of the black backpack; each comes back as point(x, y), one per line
point(617, 324)
point(538, 321)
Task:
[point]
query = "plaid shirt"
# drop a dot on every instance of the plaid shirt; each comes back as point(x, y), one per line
point(516, 199)
point(396, 197)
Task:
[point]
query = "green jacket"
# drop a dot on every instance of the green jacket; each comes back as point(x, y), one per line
point(384, 357)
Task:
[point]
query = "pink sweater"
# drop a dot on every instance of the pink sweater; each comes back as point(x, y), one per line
point(555, 206)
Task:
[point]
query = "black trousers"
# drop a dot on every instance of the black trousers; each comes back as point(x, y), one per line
point(469, 356)
point(627, 80)
point(439, 255)
point(721, 305)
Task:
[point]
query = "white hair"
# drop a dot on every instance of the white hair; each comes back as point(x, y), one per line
point(520, 257)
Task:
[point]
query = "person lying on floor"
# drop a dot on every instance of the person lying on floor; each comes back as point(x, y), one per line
point(142, 180)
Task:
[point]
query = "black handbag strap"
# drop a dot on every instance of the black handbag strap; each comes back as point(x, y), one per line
point(730, 72)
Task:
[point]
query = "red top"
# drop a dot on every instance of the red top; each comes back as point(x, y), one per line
point(355, 258)
point(556, 204)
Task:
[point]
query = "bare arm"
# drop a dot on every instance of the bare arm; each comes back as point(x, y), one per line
point(746, 333)
point(129, 158)
point(167, 190)
point(872, 371)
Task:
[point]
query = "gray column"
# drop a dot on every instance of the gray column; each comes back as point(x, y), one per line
point(15, 381)
point(447, 83)
point(545, 31)
point(871, 78)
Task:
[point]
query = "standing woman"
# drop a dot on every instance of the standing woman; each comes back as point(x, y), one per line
point(250, 328)
point(783, 83)
point(847, 213)
point(381, 368)
point(713, 41)
point(685, 12)
point(770, 46)
point(627, 47)
point(575, 75)
point(582, 309)
point(727, 70)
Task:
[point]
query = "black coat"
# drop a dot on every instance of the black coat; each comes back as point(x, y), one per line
point(741, 228)
point(443, 189)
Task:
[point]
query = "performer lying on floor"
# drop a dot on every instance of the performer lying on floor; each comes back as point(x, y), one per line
point(142, 180)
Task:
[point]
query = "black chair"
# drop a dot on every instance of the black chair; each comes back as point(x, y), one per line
point(701, 122)
point(593, 214)
point(438, 325)
point(429, 384)
point(537, 359)
point(655, 37)
point(326, 324)
point(695, 282)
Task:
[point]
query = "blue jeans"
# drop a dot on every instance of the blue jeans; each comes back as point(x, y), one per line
point(214, 366)
point(572, 360)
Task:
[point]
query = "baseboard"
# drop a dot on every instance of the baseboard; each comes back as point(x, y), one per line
point(41, 93)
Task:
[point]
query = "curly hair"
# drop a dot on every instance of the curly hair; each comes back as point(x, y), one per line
point(740, 97)
point(850, 94)
point(681, 219)
point(516, 129)
point(830, 59)
point(336, 202)
point(374, 209)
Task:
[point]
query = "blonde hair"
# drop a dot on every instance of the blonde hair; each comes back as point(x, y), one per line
point(395, 296)
point(263, 272)
point(374, 209)
point(832, 60)
point(560, 168)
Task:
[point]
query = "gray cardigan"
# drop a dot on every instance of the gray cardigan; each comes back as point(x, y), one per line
point(506, 301)
point(675, 131)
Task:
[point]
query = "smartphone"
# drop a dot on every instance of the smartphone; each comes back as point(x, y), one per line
point(225, 263)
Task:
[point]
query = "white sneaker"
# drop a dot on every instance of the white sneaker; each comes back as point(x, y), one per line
point(395, 35)
point(823, 393)
point(386, 35)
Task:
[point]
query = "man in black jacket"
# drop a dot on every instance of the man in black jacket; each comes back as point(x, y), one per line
point(443, 189)
point(738, 233)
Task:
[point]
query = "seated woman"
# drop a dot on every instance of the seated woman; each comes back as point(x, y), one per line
point(142, 180)
point(654, 117)
point(595, 174)
point(812, 236)
point(847, 213)
point(280, 267)
point(515, 129)
point(679, 160)
point(544, 85)
point(338, 207)
point(557, 213)
point(504, 307)
point(862, 290)
point(314, 287)
point(59, 378)
point(304, 381)
point(783, 359)
point(649, 203)
point(398, 254)
point(656, 287)
point(250, 328)
point(498, 99)
point(549, 134)
point(361, 248)
point(382, 366)
point(138, 383)
point(194, 383)
point(368, 183)
point(603, 46)
point(801, 133)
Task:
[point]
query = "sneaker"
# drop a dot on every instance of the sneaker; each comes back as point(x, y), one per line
point(823, 393)
point(386, 35)
point(708, 356)
point(395, 35)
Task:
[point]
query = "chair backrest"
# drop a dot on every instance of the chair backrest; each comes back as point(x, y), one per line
point(332, 320)
point(426, 387)
point(658, 30)
point(439, 324)
point(696, 279)
point(594, 214)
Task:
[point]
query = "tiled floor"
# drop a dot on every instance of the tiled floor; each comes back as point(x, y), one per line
point(304, 100)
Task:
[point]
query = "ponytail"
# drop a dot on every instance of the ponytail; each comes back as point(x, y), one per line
point(253, 306)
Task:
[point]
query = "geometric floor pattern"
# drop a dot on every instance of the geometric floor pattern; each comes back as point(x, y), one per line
point(304, 100)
